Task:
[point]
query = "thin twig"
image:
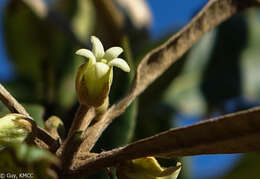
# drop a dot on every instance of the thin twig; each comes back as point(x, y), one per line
point(10, 102)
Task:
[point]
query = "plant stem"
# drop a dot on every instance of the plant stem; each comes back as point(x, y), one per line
point(82, 119)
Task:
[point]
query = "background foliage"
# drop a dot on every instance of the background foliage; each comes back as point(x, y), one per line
point(217, 76)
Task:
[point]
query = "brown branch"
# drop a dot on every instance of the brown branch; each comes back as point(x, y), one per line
point(82, 119)
point(70, 149)
point(10, 102)
point(233, 133)
point(158, 60)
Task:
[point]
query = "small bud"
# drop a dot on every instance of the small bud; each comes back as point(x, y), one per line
point(55, 127)
point(147, 168)
point(14, 128)
point(94, 77)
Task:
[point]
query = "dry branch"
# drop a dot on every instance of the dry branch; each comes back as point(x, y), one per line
point(233, 133)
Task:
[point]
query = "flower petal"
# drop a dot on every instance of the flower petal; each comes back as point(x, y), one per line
point(112, 53)
point(97, 47)
point(88, 54)
point(120, 63)
point(101, 69)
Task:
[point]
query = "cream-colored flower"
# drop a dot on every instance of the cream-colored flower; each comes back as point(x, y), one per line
point(94, 77)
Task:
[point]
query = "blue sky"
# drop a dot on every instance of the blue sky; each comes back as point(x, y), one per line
point(5, 67)
point(172, 12)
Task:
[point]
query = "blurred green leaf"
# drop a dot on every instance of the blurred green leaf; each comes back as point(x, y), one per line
point(21, 28)
point(3, 110)
point(19, 89)
point(155, 119)
point(183, 93)
point(36, 112)
point(20, 158)
point(250, 63)
point(221, 78)
point(82, 16)
point(42, 47)
point(155, 112)
point(83, 20)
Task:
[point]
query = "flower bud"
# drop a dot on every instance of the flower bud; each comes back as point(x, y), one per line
point(14, 128)
point(55, 127)
point(94, 77)
point(147, 168)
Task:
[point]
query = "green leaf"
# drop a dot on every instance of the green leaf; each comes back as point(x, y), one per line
point(36, 112)
point(42, 52)
point(24, 45)
point(3, 110)
point(20, 158)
